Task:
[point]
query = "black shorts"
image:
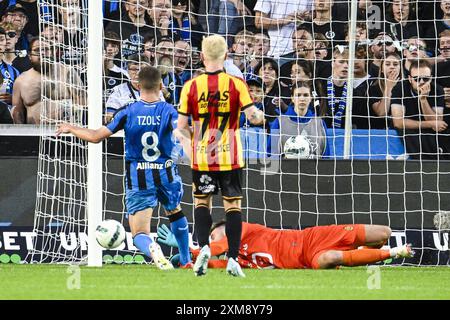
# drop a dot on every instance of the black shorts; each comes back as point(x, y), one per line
point(205, 183)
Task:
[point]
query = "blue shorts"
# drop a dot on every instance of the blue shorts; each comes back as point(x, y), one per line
point(168, 194)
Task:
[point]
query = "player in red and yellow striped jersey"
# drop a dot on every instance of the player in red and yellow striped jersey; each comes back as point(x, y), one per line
point(214, 102)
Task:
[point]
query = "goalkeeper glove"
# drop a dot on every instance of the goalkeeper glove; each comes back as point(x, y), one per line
point(175, 259)
point(165, 236)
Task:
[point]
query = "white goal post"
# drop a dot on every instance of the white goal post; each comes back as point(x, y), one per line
point(95, 116)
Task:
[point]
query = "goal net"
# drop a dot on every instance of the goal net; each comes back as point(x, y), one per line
point(350, 138)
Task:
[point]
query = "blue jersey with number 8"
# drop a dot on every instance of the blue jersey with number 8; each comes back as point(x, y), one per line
point(150, 148)
point(148, 130)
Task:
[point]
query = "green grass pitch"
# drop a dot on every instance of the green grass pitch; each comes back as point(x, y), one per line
point(147, 282)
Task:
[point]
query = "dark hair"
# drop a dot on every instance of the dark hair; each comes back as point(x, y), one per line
point(419, 63)
point(313, 86)
point(359, 24)
point(32, 41)
point(137, 58)
point(2, 31)
point(265, 61)
point(149, 78)
point(256, 82)
point(412, 11)
point(304, 28)
point(306, 66)
point(111, 37)
point(361, 52)
point(263, 32)
point(381, 75)
point(302, 84)
point(149, 37)
point(320, 37)
point(217, 225)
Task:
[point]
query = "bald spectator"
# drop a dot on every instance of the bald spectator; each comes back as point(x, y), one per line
point(165, 59)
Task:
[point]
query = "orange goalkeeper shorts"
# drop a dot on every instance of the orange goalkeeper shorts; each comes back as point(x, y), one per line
point(335, 237)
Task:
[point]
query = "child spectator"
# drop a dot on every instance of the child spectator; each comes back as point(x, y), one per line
point(255, 87)
point(300, 119)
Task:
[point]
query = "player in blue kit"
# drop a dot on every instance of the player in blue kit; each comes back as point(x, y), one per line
point(151, 174)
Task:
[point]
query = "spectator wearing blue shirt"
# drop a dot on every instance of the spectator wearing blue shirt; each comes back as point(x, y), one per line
point(17, 15)
point(8, 73)
point(255, 87)
point(184, 24)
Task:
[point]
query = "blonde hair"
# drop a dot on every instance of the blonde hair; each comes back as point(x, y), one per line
point(214, 48)
point(341, 53)
point(8, 26)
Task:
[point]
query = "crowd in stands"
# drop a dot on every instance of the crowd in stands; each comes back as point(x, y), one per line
point(293, 54)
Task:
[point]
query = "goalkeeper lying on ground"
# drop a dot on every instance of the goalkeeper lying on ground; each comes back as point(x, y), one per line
point(317, 247)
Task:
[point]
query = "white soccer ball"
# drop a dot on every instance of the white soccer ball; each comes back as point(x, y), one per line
point(298, 147)
point(110, 234)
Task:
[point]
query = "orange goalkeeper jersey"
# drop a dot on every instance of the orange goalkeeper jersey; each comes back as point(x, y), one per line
point(215, 101)
point(263, 247)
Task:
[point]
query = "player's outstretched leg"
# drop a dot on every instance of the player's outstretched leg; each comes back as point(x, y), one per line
point(376, 236)
point(180, 229)
point(361, 257)
point(158, 257)
point(140, 229)
point(151, 249)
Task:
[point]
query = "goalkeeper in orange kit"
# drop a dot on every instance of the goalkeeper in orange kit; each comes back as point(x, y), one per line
point(320, 247)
